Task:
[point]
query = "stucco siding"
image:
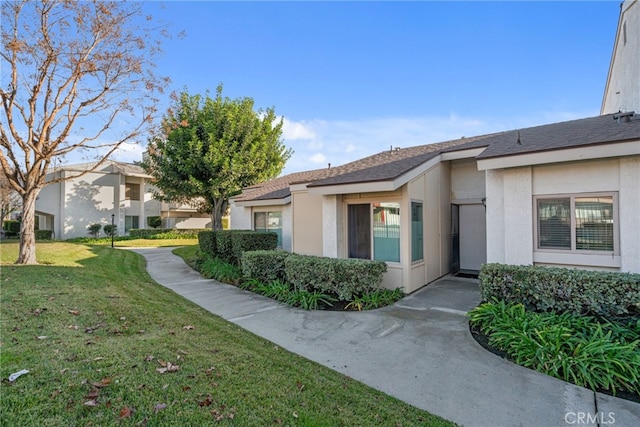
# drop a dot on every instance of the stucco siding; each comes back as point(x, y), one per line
point(240, 217)
point(495, 216)
point(629, 214)
point(467, 182)
point(622, 90)
point(307, 236)
point(511, 214)
point(518, 216)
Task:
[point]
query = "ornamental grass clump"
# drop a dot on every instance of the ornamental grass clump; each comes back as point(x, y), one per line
point(587, 351)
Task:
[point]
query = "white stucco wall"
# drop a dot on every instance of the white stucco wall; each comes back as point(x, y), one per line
point(242, 219)
point(622, 90)
point(331, 226)
point(511, 216)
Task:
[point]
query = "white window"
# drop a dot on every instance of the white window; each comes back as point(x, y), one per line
point(584, 223)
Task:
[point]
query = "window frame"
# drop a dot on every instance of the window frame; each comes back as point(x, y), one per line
point(572, 250)
point(371, 204)
point(129, 188)
point(266, 219)
point(421, 210)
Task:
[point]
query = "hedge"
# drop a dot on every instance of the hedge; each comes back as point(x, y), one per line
point(44, 234)
point(11, 227)
point(545, 289)
point(207, 242)
point(346, 278)
point(165, 233)
point(264, 266)
point(229, 245)
point(252, 241)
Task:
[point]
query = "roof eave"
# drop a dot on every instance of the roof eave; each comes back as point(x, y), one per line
point(596, 151)
point(263, 202)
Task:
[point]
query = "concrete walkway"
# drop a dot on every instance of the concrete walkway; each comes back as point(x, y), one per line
point(419, 350)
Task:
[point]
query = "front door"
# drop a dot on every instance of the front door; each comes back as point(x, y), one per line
point(473, 237)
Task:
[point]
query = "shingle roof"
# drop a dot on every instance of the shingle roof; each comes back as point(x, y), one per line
point(388, 165)
point(557, 136)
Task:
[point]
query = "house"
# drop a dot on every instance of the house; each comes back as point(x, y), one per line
point(565, 194)
point(123, 190)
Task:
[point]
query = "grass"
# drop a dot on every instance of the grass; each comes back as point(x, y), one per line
point(96, 334)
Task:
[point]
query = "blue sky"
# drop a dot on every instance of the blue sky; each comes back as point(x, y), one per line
point(353, 78)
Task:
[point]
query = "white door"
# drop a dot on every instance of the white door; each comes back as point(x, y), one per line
point(473, 237)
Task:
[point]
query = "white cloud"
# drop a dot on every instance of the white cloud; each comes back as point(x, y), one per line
point(318, 158)
point(294, 131)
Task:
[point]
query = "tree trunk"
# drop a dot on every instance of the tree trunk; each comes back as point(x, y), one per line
point(27, 253)
point(218, 211)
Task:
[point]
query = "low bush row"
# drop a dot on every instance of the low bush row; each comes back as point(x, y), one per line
point(545, 289)
point(345, 279)
point(584, 350)
point(229, 245)
point(164, 233)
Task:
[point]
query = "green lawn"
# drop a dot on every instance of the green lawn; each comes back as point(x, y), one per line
point(105, 345)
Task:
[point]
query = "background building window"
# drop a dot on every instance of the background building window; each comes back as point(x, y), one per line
point(131, 191)
point(131, 222)
point(576, 223)
point(269, 221)
point(380, 226)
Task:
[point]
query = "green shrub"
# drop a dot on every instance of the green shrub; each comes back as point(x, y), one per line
point(375, 299)
point(560, 289)
point(164, 233)
point(207, 242)
point(214, 268)
point(44, 234)
point(110, 230)
point(231, 243)
point(583, 350)
point(251, 241)
point(94, 229)
point(11, 228)
point(345, 278)
point(154, 221)
point(264, 266)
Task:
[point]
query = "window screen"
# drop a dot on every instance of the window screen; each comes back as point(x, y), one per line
point(594, 223)
point(359, 238)
point(554, 223)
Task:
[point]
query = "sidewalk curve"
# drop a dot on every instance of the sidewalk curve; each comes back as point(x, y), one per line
point(419, 350)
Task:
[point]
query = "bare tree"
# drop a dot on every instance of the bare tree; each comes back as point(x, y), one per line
point(77, 76)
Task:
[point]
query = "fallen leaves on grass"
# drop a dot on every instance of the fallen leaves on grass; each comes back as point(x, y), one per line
point(159, 407)
point(38, 311)
point(75, 312)
point(167, 367)
point(126, 412)
point(188, 327)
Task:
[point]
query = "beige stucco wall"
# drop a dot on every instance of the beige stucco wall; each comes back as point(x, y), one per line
point(307, 236)
point(467, 182)
point(510, 211)
point(622, 90)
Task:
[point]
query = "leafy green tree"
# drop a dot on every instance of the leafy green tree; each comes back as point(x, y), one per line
point(208, 149)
